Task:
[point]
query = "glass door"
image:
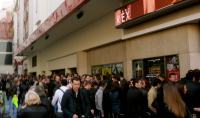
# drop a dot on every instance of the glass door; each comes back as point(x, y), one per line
point(138, 69)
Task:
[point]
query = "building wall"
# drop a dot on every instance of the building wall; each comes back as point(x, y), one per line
point(6, 68)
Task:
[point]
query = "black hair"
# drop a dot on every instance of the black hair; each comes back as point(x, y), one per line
point(190, 75)
point(156, 81)
point(171, 74)
point(136, 80)
point(64, 82)
point(103, 83)
point(117, 77)
point(95, 84)
point(87, 83)
point(115, 86)
point(76, 79)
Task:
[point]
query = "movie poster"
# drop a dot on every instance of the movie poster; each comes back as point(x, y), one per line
point(117, 68)
point(173, 66)
point(105, 69)
point(95, 70)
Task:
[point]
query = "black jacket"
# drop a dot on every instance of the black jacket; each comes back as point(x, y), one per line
point(92, 98)
point(47, 104)
point(23, 88)
point(192, 95)
point(135, 103)
point(35, 111)
point(1, 86)
point(144, 93)
point(123, 96)
point(12, 91)
point(106, 103)
point(68, 103)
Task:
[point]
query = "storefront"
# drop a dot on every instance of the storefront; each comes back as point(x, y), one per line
point(149, 68)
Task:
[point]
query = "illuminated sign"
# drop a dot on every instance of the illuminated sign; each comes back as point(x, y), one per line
point(141, 8)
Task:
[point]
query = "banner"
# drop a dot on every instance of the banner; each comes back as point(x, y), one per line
point(19, 60)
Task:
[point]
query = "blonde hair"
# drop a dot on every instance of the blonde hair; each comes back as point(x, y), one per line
point(174, 101)
point(32, 98)
point(32, 87)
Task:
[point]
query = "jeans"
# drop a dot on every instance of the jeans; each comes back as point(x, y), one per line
point(11, 105)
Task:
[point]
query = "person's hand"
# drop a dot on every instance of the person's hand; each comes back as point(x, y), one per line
point(75, 116)
point(197, 109)
point(83, 116)
point(92, 111)
point(102, 115)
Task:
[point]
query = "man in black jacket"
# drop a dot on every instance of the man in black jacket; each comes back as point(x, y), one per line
point(45, 101)
point(193, 90)
point(75, 104)
point(135, 101)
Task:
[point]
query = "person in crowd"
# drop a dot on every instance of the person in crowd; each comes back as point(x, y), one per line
point(75, 74)
point(3, 80)
point(115, 99)
point(97, 78)
point(32, 88)
point(92, 96)
point(87, 78)
point(42, 82)
point(14, 90)
point(86, 90)
point(23, 89)
point(69, 86)
point(197, 75)
point(159, 98)
point(91, 79)
point(175, 106)
point(69, 78)
point(61, 77)
point(135, 101)
point(106, 103)
point(32, 108)
point(74, 103)
point(58, 97)
point(99, 99)
point(193, 96)
point(172, 77)
point(47, 87)
point(36, 82)
point(8, 86)
point(182, 89)
point(152, 95)
point(1, 85)
point(45, 101)
point(144, 93)
point(124, 89)
point(56, 85)
point(116, 78)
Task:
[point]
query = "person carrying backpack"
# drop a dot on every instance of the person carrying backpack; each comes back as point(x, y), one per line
point(58, 97)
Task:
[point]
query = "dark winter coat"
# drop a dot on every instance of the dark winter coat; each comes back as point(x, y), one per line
point(115, 102)
point(35, 111)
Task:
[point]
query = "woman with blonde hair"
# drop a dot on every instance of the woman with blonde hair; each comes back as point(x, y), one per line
point(32, 108)
point(175, 106)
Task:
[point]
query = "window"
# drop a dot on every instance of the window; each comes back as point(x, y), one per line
point(6, 59)
point(34, 61)
point(149, 68)
point(5, 46)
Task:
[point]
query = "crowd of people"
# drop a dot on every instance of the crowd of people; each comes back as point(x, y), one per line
point(110, 96)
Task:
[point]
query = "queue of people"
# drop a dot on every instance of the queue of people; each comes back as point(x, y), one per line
point(110, 96)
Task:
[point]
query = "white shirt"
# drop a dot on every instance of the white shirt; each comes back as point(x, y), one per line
point(58, 97)
point(69, 86)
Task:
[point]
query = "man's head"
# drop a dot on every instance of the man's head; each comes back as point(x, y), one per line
point(17, 82)
point(97, 77)
point(64, 82)
point(61, 76)
point(161, 77)
point(156, 83)
point(190, 75)
point(75, 74)
point(57, 78)
point(91, 78)
point(87, 78)
point(103, 84)
point(43, 80)
point(48, 81)
point(40, 91)
point(88, 85)
point(69, 77)
point(172, 77)
point(116, 78)
point(143, 83)
point(76, 81)
point(95, 84)
point(137, 83)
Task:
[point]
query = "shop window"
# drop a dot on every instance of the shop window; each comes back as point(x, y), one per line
point(116, 68)
point(149, 68)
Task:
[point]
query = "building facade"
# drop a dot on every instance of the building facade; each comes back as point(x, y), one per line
point(81, 36)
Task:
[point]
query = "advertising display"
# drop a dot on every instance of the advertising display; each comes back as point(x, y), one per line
point(95, 70)
point(173, 66)
point(117, 68)
point(105, 69)
point(140, 8)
